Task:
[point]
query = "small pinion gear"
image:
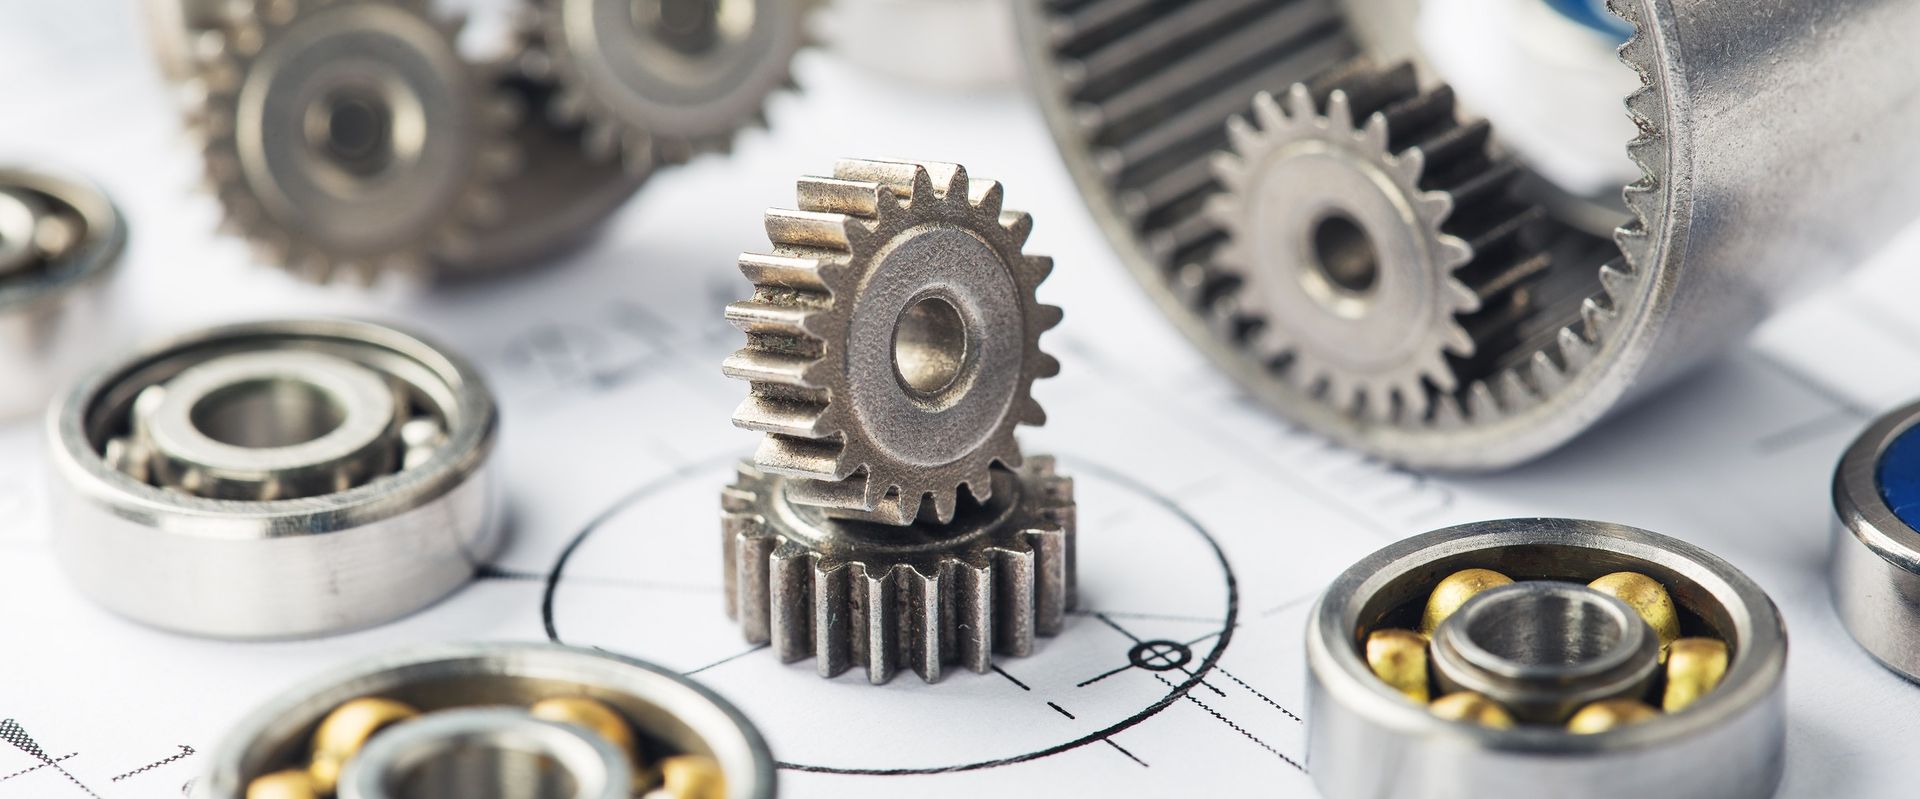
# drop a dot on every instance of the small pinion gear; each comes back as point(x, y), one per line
point(893, 339)
point(346, 138)
point(1369, 258)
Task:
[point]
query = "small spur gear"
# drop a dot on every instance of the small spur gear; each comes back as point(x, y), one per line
point(346, 138)
point(892, 340)
point(659, 81)
point(1408, 255)
point(846, 592)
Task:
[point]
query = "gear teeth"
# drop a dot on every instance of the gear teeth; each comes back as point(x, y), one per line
point(994, 593)
point(801, 316)
point(1457, 189)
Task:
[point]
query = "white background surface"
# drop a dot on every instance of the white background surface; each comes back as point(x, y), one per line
point(607, 365)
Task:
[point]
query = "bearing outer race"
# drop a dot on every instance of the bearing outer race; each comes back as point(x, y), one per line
point(1876, 556)
point(1366, 740)
point(514, 672)
point(286, 568)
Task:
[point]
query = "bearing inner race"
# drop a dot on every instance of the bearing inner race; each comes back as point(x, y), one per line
point(270, 425)
point(487, 753)
point(1543, 649)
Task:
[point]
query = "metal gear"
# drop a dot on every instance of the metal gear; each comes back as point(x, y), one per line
point(1138, 100)
point(659, 81)
point(847, 591)
point(1406, 253)
point(892, 340)
point(348, 137)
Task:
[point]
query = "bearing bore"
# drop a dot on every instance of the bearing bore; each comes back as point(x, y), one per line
point(1527, 656)
point(276, 479)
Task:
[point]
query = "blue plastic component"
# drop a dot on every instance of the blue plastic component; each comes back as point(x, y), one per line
point(1899, 477)
point(1593, 14)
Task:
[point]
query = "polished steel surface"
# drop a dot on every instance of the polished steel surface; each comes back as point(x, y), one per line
point(212, 522)
point(1545, 649)
point(61, 241)
point(1366, 740)
point(1875, 573)
point(1744, 204)
point(665, 707)
point(487, 753)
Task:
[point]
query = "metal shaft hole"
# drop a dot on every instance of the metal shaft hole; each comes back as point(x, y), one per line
point(1345, 254)
point(264, 414)
point(929, 346)
point(1547, 629)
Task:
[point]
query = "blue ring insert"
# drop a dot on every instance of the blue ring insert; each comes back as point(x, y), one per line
point(1593, 14)
point(1898, 474)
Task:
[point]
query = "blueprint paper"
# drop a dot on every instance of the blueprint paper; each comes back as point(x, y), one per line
point(1208, 525)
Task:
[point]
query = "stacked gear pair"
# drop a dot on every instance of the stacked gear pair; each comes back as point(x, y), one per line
point(892, 346)
point(352, 138)
point(1545, 656)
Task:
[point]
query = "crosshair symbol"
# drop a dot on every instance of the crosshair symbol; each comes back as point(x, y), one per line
point(1159, 655)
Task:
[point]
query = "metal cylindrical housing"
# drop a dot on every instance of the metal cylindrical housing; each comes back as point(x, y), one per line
point(60, 239)
point(1367, 740)
point(275, 479)
point(1876, 546)
point(668, 712)
point(1747, 198)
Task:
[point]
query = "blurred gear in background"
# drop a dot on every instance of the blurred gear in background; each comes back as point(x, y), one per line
point(893, 338)
point(1729, 209)
point(352, 139)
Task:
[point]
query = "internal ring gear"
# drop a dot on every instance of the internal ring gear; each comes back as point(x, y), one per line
point(1408, 254)
point(346, 138)
point(892, 340)
point(847, 591)
point(660, 81)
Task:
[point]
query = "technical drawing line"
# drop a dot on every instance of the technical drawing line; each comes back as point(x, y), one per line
point(1812, 385)
point(1010, 678)
point(1104, 676)
point(13, 733)
point(1124, 614)
point(37, 766)
point(493, 572)
point(1063, 711)
point(1256, 692)
point(1123, 750)
point(1294, 602)
point(1237, 728)
point(1122, 630)
point(185, 750)
point(1805, 432)
point(1228, 622)
point(729, 659)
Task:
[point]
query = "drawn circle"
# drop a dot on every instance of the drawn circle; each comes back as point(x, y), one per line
point(1160, 655)
point(1148, 655)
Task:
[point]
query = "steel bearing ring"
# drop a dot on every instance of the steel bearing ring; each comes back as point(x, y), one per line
point(276, 479)
point(521, 720)
point(60, 239)
point(1876, 548)
point(1563, 657)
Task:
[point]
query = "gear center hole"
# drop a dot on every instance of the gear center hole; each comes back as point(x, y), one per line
point(929, 346)
point(268, 413)
point(1344, 255)
point(693, 27)
point(1545, 629)
point(354, 130)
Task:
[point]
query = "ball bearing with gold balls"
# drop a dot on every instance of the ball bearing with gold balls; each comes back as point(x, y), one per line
point(486, 721)
point(1545, 656)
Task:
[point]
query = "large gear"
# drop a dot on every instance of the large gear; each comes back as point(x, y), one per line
point(1406, 254)
point(659, 81)
point(892, 340)
point(349, 137)
point(846, 592)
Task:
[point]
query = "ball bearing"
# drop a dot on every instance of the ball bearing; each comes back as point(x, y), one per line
point(1594, 658)
point(276, 479)
point(60, 239)
point(474, 720)
point(1876, 548)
